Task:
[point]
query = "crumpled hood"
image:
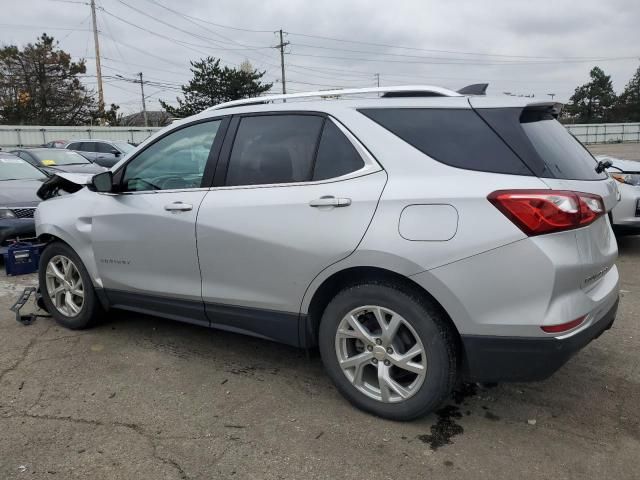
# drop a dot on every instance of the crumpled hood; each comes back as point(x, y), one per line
point(63, 182)
point(619, 164)
point(19, 193)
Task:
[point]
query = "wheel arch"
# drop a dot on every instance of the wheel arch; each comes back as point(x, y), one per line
point(341, 279)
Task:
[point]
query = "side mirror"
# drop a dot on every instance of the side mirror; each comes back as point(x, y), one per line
point(103, 182)
point(115, 152)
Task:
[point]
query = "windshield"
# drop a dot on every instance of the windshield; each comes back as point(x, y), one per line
point(124, 146)
point(56, 156)
point(18, 169)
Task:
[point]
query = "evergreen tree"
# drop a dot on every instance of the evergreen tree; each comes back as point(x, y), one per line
point(212, 84)
point(592, 102)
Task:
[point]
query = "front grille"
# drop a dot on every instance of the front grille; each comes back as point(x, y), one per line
point(23, 212)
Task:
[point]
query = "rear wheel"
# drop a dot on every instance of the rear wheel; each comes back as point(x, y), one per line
point(388, 351)
point(66, 288)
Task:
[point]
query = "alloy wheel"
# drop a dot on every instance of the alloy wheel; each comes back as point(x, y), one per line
point(380, 353)
point(64, 285)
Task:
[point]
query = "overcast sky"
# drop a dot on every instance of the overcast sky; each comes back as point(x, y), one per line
point(524, 47)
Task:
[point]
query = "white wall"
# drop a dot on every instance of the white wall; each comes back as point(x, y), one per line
point(33, 136)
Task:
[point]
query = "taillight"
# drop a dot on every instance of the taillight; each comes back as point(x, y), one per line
point(537, 212)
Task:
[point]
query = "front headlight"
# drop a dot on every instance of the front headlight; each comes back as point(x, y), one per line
point(628, 178)
point(6, 213)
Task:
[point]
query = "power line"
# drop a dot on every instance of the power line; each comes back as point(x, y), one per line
point(386, 45)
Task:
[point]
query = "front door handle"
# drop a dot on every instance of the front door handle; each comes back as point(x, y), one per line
point(178, 207)
point(330, 201)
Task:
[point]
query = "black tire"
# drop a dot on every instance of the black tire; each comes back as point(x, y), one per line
point(91, 312)
point(436, 335)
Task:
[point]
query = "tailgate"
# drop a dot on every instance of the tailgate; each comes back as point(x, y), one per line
point(562, 163)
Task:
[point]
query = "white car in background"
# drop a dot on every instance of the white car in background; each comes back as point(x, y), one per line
point(625, 215)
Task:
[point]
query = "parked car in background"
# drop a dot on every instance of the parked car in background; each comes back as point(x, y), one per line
point(103, 152)
point(418, 239)
point(52, 160)
point(56, 144)
point(19, 182)
point(625, 216)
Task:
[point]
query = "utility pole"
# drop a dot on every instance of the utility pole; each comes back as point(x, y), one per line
point(98, 68)
point(377, 75)
point(144, 105)
point(551, 95)
point(281, 47)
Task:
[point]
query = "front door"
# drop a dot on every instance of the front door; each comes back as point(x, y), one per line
point(144, 236)
point(298, 196)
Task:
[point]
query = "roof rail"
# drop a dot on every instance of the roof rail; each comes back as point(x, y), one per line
point(407, 90)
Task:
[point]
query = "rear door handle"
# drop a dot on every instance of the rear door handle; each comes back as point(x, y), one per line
point(178, 207)
point(330, 201)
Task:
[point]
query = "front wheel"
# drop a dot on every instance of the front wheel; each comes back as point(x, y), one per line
point(388, 351)
point(66, 288)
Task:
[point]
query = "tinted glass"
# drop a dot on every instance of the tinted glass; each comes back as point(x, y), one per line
point(14, 168)
point(456, 137)
point(336, 155)
point(274, 149)
point(56, 156)
point(564, 156)
point(87, 146)
point(104, 147)
point(73, 146)
point(175, 161)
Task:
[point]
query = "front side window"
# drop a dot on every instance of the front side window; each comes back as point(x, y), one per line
point(274, 149)
point(87, 146)
point(175, 161)
point(104, 147)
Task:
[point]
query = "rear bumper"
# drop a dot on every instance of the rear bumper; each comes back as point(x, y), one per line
point(517, 359)
point(11, 228)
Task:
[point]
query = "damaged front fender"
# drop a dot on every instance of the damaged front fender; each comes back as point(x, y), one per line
point(62, 183)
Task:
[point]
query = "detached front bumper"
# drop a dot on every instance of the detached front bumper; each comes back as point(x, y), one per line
point(516, 359)
point(10, 228)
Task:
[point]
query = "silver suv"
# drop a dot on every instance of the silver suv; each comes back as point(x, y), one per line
point(417, 239)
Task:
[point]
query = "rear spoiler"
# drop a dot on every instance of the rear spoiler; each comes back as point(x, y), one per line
point(474, 89)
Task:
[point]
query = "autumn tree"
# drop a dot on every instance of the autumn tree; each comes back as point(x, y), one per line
point(40, 85)
point(592, 102)
point(212, 84)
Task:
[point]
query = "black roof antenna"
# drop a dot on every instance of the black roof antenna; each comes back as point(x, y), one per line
point(475, 89)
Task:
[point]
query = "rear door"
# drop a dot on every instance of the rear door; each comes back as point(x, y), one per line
point(563, 163)
point(293, 194)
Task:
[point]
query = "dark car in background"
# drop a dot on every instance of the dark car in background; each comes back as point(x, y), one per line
point(53, 160)
point(19, 182)
point(103, 152)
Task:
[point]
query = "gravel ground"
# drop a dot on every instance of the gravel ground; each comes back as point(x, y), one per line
point(144, 398)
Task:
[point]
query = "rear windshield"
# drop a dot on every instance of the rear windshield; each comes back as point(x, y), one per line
point(547, 148)
point(456, 137)
point(564, 156)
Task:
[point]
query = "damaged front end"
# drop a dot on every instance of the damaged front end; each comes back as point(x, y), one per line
point(63, 183)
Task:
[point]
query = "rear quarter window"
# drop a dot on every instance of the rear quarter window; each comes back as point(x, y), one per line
point(456, 137)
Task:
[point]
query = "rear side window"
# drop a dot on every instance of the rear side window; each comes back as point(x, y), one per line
point(456, 137)
point(74, 146)
point(274, 149)
point(336, 155)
